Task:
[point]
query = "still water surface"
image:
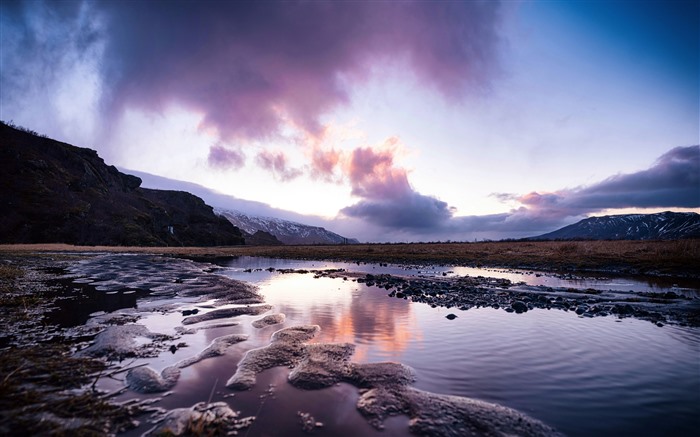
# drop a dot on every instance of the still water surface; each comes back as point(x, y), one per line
point(584, 376)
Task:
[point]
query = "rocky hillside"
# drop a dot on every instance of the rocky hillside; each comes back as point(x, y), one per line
point(52, 192)
point(287, 232)
point(261, 238)
point(662, 226)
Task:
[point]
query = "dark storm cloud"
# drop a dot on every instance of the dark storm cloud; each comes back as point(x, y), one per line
point(412, 211)
point(41, 41)
point(252, 66)
point(672, 181)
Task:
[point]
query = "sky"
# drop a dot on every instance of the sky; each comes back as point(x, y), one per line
point(380, 120)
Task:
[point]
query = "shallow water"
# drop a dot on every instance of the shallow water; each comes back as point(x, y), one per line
point(236, 268)
point(584, 376)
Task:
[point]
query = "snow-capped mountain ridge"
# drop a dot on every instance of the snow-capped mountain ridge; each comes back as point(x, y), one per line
point(288, 232)
point(661, 226)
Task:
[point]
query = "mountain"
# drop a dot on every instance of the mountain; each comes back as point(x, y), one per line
point(52, 192)
point(662, 226)
point(261, 238)
point(255, 210)
point(286, 231)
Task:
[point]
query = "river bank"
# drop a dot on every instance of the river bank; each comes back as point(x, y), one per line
point(677, 258)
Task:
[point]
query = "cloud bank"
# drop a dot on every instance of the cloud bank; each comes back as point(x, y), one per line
point(672, 181)
point(387, 197)
point(250, 68)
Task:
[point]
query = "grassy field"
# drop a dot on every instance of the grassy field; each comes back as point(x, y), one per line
point(647, 257)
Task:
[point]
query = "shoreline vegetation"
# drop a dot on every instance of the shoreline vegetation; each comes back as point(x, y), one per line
point(677, 258)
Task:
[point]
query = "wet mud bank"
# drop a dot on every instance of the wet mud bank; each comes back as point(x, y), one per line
point(45, 389)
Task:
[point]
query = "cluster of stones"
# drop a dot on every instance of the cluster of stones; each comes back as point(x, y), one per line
point(464, 293)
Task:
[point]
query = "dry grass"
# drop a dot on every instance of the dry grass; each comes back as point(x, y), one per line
point(680, 257)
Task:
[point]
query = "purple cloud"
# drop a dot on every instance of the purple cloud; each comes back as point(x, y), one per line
point(672, 181)
point(276, 162)
point(253, 67)
point(225, 158)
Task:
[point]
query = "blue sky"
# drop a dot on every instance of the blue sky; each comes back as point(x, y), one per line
point(385, 121)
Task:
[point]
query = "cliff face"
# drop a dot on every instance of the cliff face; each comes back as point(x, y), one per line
point(52, 192)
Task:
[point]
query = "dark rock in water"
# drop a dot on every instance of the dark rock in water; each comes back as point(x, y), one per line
point(519, 306)
point(53, 192)
point(186, 313)
point(450, 316)
point(623, 309)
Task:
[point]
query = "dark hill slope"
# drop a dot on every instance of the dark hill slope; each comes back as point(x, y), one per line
point(662, 226)
point(53, 192)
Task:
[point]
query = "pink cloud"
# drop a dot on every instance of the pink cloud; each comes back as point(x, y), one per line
point(324, 163)
point(253, 67)
point(387, 198)
point(276, 162)
point(372, 174)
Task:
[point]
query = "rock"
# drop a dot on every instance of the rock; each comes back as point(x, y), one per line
point(308, 422)
point(519, 306)
point(450, 316)
point(65, 194)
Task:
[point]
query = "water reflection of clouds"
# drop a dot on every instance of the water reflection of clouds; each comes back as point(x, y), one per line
point(380, 327)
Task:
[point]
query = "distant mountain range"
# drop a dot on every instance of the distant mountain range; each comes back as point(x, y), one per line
point(251, 216)
point(661, 226)
point(288, 232)
point(52, 192)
